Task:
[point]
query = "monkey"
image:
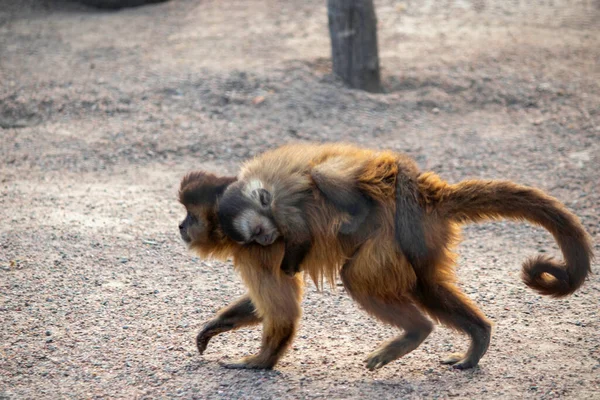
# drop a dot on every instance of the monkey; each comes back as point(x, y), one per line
point(393, 251)
point(273, 298)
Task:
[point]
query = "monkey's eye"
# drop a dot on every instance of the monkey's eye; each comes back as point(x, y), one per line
point(264, 197)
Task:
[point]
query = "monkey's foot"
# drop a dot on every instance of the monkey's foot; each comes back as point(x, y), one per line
point(379, 358)
point(453, 358)
point(250, 362)
point(458, 361)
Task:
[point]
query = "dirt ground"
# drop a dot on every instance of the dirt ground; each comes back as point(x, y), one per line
point(101, 113)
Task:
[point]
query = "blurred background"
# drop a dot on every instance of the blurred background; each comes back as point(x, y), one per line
point(102, 111)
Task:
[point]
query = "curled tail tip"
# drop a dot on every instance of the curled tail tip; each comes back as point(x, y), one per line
point(550, 278)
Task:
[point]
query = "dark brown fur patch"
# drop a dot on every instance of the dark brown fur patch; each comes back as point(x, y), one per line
point(200, 187)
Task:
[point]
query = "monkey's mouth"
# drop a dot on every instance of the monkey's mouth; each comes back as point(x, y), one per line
point(267, 239)
point(185, 237)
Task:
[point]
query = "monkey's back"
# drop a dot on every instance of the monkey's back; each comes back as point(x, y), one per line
point(286, 172)
point(289, 166)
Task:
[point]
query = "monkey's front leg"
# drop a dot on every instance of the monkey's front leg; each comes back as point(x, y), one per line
point(277, 336)
point(238, 314)
point(277, 299)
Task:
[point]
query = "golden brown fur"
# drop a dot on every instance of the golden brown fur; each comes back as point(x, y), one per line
point(398, 263)
point(273, 297)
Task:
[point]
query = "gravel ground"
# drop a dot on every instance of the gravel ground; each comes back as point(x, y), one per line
point(101, 113)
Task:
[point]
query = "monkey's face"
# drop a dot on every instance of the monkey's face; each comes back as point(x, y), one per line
point(193, 228)
point(199, 193)
point(245, 214)
point(254, 227)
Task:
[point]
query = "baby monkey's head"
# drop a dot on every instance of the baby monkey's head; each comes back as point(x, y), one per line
point(245, 213)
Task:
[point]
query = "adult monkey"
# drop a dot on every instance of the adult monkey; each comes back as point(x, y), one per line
point(390, 273)
point(273, 296)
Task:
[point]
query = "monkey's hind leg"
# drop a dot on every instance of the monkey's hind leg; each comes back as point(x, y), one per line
point(277, 299)
point(394, 310)
point(238, 314)
point(447, 304)
point(406, 316)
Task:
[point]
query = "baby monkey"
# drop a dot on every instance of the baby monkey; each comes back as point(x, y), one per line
point(261, 211)
point(373, 219)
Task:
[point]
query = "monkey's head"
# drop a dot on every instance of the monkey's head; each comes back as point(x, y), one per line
point(199, 193)
point(245, 213)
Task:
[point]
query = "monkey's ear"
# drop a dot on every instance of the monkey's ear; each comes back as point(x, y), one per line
point(263, 196)
point(203, 188)
point(223, 183)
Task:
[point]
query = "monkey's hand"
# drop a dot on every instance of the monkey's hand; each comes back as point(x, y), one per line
point(250, 362)
point(293, 257)
point(352, 225)
point(202, 340)
point(210, 329)
point(239, 313)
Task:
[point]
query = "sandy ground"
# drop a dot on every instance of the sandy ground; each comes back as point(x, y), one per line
point(101, 113)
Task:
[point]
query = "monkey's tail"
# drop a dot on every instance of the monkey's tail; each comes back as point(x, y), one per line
point(477, 200)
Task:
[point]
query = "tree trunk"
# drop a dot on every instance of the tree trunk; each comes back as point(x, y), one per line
point(353, 31)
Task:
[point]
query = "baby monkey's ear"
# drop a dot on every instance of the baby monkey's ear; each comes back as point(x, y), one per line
point(263, 196)
point(222, 183)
